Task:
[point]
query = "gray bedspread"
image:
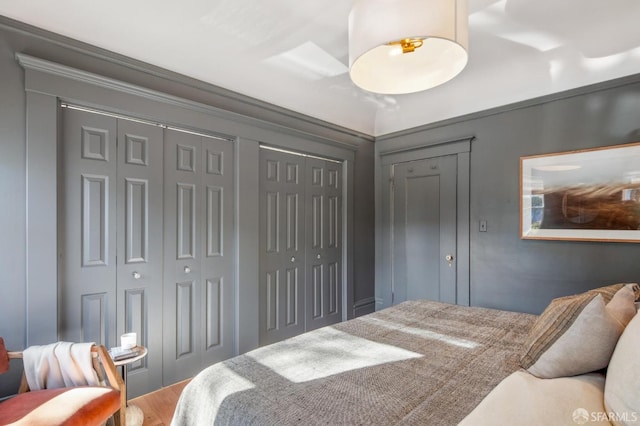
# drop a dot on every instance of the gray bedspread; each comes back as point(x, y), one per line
point(418, 363)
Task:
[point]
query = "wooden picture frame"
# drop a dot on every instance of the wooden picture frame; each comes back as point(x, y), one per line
point(585, 195)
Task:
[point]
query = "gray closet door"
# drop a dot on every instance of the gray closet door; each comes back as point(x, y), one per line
point(424, 229)
point(110, 248)
point(282, 246)
point(139, 240)
point(199, 258)
point(324, 243)
point(87, 229)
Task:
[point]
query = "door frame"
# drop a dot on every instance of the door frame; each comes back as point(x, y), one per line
point(385, 160)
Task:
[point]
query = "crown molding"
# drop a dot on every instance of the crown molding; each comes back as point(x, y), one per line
point(238, 107)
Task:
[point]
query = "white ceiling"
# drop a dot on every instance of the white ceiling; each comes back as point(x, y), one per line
point(294, 53)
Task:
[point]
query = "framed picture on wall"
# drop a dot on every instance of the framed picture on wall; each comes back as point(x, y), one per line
point(588, 195)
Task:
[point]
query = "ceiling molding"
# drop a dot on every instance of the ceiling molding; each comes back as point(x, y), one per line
point(427, 150)
point(56, 69)
point(244, 108)
point(580, 91)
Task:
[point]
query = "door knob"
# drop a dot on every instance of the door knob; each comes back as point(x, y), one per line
point(449, 258)
point(187, 270)
point(319, 256)
point(136, 275)
point(293, 259)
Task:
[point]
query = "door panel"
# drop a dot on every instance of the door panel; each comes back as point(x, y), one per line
point(282, 242)
point(186, 221)
point(87, 228)
point(424, 229)
point(199, 258)
point(181, 257)
point(324, 253)
point(139, 267)
point(110, 259)
point(218, 260)
point(422, 225)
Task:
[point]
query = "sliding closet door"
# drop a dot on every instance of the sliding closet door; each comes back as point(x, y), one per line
point(282, 245)
point(199, 259)
point(110, 248)
point(324, 243)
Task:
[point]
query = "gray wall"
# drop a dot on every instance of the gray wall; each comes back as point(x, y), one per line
point(12, 201)
point(364, 218)
point(19, 38)
point(524, 275)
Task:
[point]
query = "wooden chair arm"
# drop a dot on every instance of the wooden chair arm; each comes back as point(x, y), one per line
point(24, 385)
point(115, 380)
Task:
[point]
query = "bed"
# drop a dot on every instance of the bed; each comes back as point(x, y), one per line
point(419, 362)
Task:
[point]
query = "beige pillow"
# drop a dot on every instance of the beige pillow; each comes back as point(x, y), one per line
point(622, 387)
point(622, 306)
point(526, 400)
point(577, 334)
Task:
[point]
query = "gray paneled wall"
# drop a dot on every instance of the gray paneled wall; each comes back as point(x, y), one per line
point(524, 275)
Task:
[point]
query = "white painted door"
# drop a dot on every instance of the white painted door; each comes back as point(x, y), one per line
point(198, 253)
point(424, 229)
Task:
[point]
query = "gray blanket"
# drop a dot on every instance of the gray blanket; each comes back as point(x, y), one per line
point(418, 363)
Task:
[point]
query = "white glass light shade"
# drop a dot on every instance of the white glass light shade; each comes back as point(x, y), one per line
point(378, 67)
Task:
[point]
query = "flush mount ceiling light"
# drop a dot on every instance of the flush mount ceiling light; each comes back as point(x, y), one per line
point(405, 46)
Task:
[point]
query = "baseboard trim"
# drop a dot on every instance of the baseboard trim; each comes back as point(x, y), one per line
point(364, 306)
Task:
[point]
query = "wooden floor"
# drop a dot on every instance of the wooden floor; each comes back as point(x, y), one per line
point(158, 406)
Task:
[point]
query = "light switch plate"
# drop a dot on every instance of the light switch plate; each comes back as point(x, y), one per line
point(483, 226)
